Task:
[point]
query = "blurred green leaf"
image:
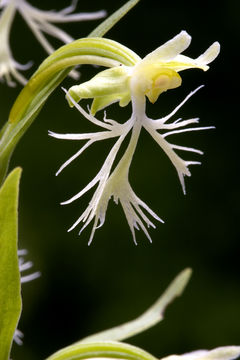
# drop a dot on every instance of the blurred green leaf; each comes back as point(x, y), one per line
point(150, 317)
point(10, 289)
point(104, 345)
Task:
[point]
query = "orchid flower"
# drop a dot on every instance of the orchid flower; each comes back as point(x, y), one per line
point(40, 23)
point(149, 77)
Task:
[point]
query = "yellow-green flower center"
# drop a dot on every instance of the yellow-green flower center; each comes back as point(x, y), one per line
point(151, 79)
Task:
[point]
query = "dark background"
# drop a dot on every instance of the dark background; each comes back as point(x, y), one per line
point(84, 289)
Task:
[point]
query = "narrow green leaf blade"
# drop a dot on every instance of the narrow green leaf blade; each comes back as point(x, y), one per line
point(107, 24)
point(149, 318)
point(10, 289)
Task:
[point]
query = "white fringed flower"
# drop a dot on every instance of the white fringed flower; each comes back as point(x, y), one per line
point(8, 66)
point(18, 337)
point(23, 266)
point(151, 76)
point(41, 23)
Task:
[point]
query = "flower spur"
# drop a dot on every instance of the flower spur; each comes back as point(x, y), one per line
point(149, 77)
point(40, 22)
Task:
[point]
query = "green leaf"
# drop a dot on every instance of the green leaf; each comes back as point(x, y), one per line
point(149, 318)
point(107, 24)
point(10, 289)
point(103, 345)
point(112, 350)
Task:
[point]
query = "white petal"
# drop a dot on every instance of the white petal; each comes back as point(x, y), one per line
point(22, 252)
point(186, 130)
point(25, 265)
point(55, 32)
point(83, 191)
point(170, 49)
point(103, 172)
point(17, 337)
point(210, 54)
point(185, 62)
point(85, 114)
point(178, 123)
point(185, 148)
point(97, 135)
point(78, 153)
point(35, 29)
point(30, 277)
point(221, 353)
point(19, 66)
point(70, 8)
point(167, 117)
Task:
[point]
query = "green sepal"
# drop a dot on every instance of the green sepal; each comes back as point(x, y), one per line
point(100, 103)
point(105, 88)
point(10, 288)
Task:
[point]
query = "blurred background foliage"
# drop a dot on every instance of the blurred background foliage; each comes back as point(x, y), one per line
point(84, 289)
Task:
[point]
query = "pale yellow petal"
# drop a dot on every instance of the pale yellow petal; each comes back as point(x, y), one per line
point(182, 62)
point(170, 49)
point(107, 83)
point(101, 102)
point(210, 54)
